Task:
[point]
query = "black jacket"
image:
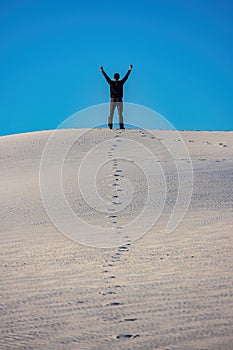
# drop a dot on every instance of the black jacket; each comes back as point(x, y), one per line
point(116, 87)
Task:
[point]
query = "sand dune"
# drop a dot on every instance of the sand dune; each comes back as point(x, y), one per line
point(158, 290)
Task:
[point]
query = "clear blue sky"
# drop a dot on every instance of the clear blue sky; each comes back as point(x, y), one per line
point(181, 50)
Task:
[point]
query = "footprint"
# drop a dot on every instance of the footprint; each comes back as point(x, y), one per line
point(110, 292)
point(123, 249)
point(127, 336)
point(111, 277)
point(118, 171)
point(115, 258)
point(130, 319)
point(112, 216)
point(114, 303)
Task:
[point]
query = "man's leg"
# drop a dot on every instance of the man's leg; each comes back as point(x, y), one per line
point(112, 109)
point(120, 114)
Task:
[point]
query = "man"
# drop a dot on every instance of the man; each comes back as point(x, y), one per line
point(116, 93)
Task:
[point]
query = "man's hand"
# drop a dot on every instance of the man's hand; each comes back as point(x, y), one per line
point(130, 67)
point(101, 68)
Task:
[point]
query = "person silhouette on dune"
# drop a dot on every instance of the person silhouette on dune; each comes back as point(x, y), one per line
point(116, 93)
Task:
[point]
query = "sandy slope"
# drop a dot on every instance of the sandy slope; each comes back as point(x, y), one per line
point(162, 291)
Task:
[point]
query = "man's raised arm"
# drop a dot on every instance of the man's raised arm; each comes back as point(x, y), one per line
point(105, 75)
point(127, 74)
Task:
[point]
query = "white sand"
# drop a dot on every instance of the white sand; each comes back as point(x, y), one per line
point(162, 291)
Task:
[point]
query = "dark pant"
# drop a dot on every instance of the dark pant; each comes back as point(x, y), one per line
point(113, 106)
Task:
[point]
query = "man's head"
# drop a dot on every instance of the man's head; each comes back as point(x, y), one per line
point(116, 76)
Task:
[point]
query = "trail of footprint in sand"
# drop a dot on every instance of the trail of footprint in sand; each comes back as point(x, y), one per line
point(115, 257)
